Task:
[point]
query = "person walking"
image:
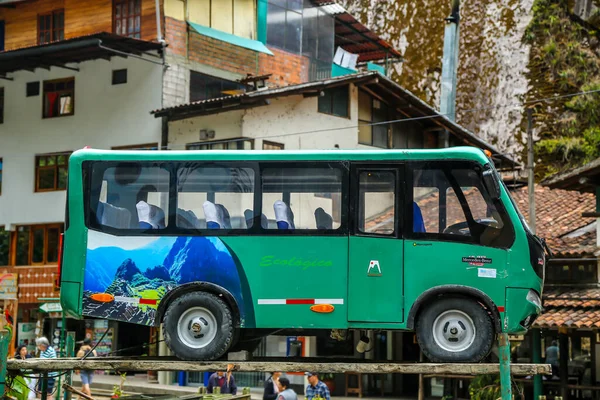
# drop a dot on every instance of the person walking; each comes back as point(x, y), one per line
point(86, 376)
point(272, 386)
point(285, 392)
point(46, 351)
point(224, 380)
point(315, 387)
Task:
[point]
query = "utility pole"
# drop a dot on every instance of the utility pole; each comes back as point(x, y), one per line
point(450, 67)
point(530, 164)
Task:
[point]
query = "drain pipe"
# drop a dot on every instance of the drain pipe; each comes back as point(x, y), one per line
point(450, 67)
point(158, 30)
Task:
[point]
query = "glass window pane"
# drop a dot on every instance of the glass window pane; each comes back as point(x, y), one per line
point(38, 246)
point(340, 102)
point(53, 234)
point(62, 178)
point(380, 136)
point(325, 102)
point(51, 160)
point(293, 32)
point(280, 3)
point(364, 106)
point(4, 246)
point(326, 37)
point(293, 198)
point(364, 133)
point(137, 196)
point(138, 6)
point(295, 5)
point(46, 178)
point(377, 191)
point(310, 32)
point(23, 236)
point(275, 26)
point(215, 198)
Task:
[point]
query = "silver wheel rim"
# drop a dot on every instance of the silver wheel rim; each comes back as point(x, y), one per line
point(197, 327)
point(454, 331)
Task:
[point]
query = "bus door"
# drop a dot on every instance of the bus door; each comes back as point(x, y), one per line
point(375, 276)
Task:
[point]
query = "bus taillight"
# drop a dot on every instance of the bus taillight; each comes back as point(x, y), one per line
point(60, 260)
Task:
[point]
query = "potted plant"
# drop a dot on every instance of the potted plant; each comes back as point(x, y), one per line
point(329, 380)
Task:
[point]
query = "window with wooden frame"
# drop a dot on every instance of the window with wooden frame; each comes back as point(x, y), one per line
point(4, 247)
point(372, 110)
point(146, 146)
point(37, 244)
point(268, 145)
point(229, 144)
point(51, 27)
point(335, 101)
point(59, 98)
point(51, 172)
point(127, 18)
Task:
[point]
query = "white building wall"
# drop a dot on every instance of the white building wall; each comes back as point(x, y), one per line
point(105, 115)
point(226, 126)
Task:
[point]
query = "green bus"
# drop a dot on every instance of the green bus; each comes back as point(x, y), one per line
point(225, 247)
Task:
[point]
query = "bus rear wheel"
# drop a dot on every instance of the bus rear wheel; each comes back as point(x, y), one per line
point(198, 326)
point(455, 330)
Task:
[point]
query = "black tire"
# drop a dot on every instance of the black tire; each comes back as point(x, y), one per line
point(196, 308)
point(472, 340)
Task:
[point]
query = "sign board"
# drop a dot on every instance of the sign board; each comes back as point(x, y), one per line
point(8, 286)
point(51, 307)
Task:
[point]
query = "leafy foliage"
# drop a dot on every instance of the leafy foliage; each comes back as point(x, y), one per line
point(564, 59)
point(487, 387)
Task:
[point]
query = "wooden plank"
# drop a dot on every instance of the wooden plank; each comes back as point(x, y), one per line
point(267, 366)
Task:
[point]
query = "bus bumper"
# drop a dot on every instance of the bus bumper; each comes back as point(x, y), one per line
point(523, 306)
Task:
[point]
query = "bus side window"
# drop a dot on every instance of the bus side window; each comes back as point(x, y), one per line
point(377, 202)
point(215, 197)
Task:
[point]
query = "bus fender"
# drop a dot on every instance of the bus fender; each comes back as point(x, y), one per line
point(446, 290)
point(198, 287)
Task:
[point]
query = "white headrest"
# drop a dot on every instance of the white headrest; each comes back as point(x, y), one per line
point(283, 213)
point(212, 213)
point(151, 214)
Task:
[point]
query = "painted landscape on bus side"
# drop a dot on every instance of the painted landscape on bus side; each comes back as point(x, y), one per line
point(147, 268)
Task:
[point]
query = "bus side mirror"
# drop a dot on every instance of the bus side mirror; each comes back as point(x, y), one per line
point(491, 184)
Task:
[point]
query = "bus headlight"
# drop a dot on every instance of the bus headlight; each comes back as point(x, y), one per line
point(533, 297)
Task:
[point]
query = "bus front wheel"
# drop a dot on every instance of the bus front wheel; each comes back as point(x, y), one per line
point(455, 330)
point(198, 326)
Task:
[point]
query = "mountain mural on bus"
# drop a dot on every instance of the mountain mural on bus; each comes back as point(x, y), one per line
point(126, 277)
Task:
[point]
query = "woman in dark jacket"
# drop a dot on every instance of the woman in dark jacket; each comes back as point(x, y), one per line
point(22, 353)
point(271, 387)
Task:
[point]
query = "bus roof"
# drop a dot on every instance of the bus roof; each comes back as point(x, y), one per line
point(461, 152)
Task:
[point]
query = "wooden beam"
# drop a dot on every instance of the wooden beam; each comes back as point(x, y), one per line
point(318, 365)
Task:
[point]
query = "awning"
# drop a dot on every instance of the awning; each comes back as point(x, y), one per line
point(356, 38)
point(101, 45)
point(570, 307)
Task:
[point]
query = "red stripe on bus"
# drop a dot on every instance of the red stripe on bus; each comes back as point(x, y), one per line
point(501, 308)
point(300, 301)
point(148, 301)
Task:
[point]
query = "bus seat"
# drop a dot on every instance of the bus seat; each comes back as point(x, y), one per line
point(323, 220)
point(418, 223)
point(283, 215)
point(150, 216)
point(213, 215)
point(187, 219)
point(249, 216)
point(225, 216)
point(113, 216)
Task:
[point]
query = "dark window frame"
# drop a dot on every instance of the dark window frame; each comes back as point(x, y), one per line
point(126, 16)
point(31, 239)
point(171, 228)
point(373, 120)
point(4, 234)
point(32, 89)
point(2, 105)
point(554, 276)
point(64, 91)
point(51, 33)
point(200, 80)
point(198, 146)
point(508, 232)
point(331, 110)
point(280, 146)
point(119, 76)
point(1, 174)
point(144, 146)
point(56, 167)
